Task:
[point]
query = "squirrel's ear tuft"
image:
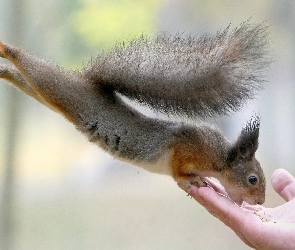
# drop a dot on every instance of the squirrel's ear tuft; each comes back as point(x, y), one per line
point(247, 143)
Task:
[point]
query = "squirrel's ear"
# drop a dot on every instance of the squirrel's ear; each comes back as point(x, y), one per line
point(247, 143)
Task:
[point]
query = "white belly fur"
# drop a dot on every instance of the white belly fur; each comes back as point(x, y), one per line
point(160, 166)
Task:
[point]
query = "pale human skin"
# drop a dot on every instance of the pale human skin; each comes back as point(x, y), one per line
point(257, 226)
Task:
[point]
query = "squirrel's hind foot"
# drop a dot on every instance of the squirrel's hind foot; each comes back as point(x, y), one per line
point(2, 50)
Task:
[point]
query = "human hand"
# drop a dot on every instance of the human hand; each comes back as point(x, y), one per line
point(257, 226)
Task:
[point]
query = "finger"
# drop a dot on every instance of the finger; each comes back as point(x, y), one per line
point(284, 184)
point(216, 186)
point(219, 206)
point(194, 192)
point(241, 221)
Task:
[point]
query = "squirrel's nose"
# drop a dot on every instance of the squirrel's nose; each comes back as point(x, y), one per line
point(261, 201)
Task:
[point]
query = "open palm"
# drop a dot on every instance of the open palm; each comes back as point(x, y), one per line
point(259, 227)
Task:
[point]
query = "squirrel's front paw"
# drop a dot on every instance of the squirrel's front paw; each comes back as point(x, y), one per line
point(185, 183)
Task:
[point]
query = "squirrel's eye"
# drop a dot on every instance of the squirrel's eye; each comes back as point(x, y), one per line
point(252, 179)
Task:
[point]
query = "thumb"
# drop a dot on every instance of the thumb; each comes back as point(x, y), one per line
point(284, 184)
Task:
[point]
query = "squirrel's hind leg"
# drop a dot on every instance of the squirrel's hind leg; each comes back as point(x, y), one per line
point(11, 74)
point(63, 91)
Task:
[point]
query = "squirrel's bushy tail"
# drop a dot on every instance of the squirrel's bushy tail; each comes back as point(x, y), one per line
point(213, 74)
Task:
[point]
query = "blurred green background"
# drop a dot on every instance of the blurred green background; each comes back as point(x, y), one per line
point(58, 191)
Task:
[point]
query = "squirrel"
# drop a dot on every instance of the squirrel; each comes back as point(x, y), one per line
point(202, 77)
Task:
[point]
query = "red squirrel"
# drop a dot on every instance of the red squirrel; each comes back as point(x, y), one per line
point(184, 75)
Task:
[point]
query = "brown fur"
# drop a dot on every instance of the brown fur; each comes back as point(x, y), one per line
point(173, 74)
